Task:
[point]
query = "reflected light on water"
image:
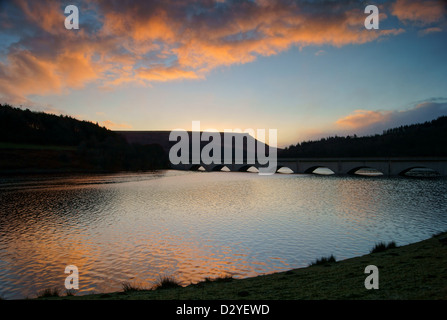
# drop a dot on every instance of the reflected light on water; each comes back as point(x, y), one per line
point(136, 227)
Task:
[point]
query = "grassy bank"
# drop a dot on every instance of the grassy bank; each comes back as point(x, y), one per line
point(23, 146)
point(415, 271)
point(17, 159)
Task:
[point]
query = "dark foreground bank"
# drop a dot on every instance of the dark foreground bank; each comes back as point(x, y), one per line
point(415, 271)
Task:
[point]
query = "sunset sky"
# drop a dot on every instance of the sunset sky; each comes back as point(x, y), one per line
point(307, 68)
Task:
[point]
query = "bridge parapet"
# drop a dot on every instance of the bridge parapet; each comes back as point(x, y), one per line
point(340, 166)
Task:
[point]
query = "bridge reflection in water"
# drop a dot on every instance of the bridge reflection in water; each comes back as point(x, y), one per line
point(339, 166)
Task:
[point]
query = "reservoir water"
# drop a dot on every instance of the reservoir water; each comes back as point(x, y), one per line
point(137, 227)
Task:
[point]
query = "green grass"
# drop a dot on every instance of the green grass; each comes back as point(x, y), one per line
point(49, 293)
point(382, 246)
point(167, 282)
point(163, 282)
point(324, 261)
point(70, 292)
point(129, 287)
point(225, 278)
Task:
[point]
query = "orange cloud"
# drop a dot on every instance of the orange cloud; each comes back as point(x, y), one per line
point(24, 74)
point(76, 69)
point(362, 118)
point(202, 42)
point(366, 122)
point(27, 73)
point(423, 12)
point(162, 74)
point(115, 126)
point(276, 31)
point(45, 13)
point(157, 41)
point(430, 30)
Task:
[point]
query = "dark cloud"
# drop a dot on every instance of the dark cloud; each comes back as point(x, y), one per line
point(364, 122)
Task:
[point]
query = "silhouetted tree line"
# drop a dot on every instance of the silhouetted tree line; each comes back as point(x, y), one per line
point(97, 146)
point(418, 140)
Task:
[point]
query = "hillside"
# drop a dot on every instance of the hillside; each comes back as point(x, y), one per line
point(428, 139)
point(41, 142)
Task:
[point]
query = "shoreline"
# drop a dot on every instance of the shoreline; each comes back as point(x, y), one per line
point(416, 271)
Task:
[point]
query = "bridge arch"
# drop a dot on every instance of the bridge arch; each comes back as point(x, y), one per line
point(196, 167)
point(419, 171)
point(365, 171)
point(284, 169)
point(388, 166)
point(220, 167)
point(321, 169)
point(248, 168)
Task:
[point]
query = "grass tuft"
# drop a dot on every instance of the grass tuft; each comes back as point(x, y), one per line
point(220, 279)
point(130, 287)
point(324, 261)
point(167, 282)
point(437, 234)
point(382, 246)
point(48, 293)
point(70, 292)
point(225, 278)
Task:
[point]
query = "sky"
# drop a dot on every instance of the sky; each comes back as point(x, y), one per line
point(309, 69)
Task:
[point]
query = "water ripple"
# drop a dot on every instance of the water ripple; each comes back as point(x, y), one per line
point(136, 227)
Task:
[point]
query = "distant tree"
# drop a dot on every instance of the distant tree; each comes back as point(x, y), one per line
point(101, 148)
point(425, 139)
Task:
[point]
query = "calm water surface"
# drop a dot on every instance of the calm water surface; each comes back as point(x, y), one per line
point(137, 227)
